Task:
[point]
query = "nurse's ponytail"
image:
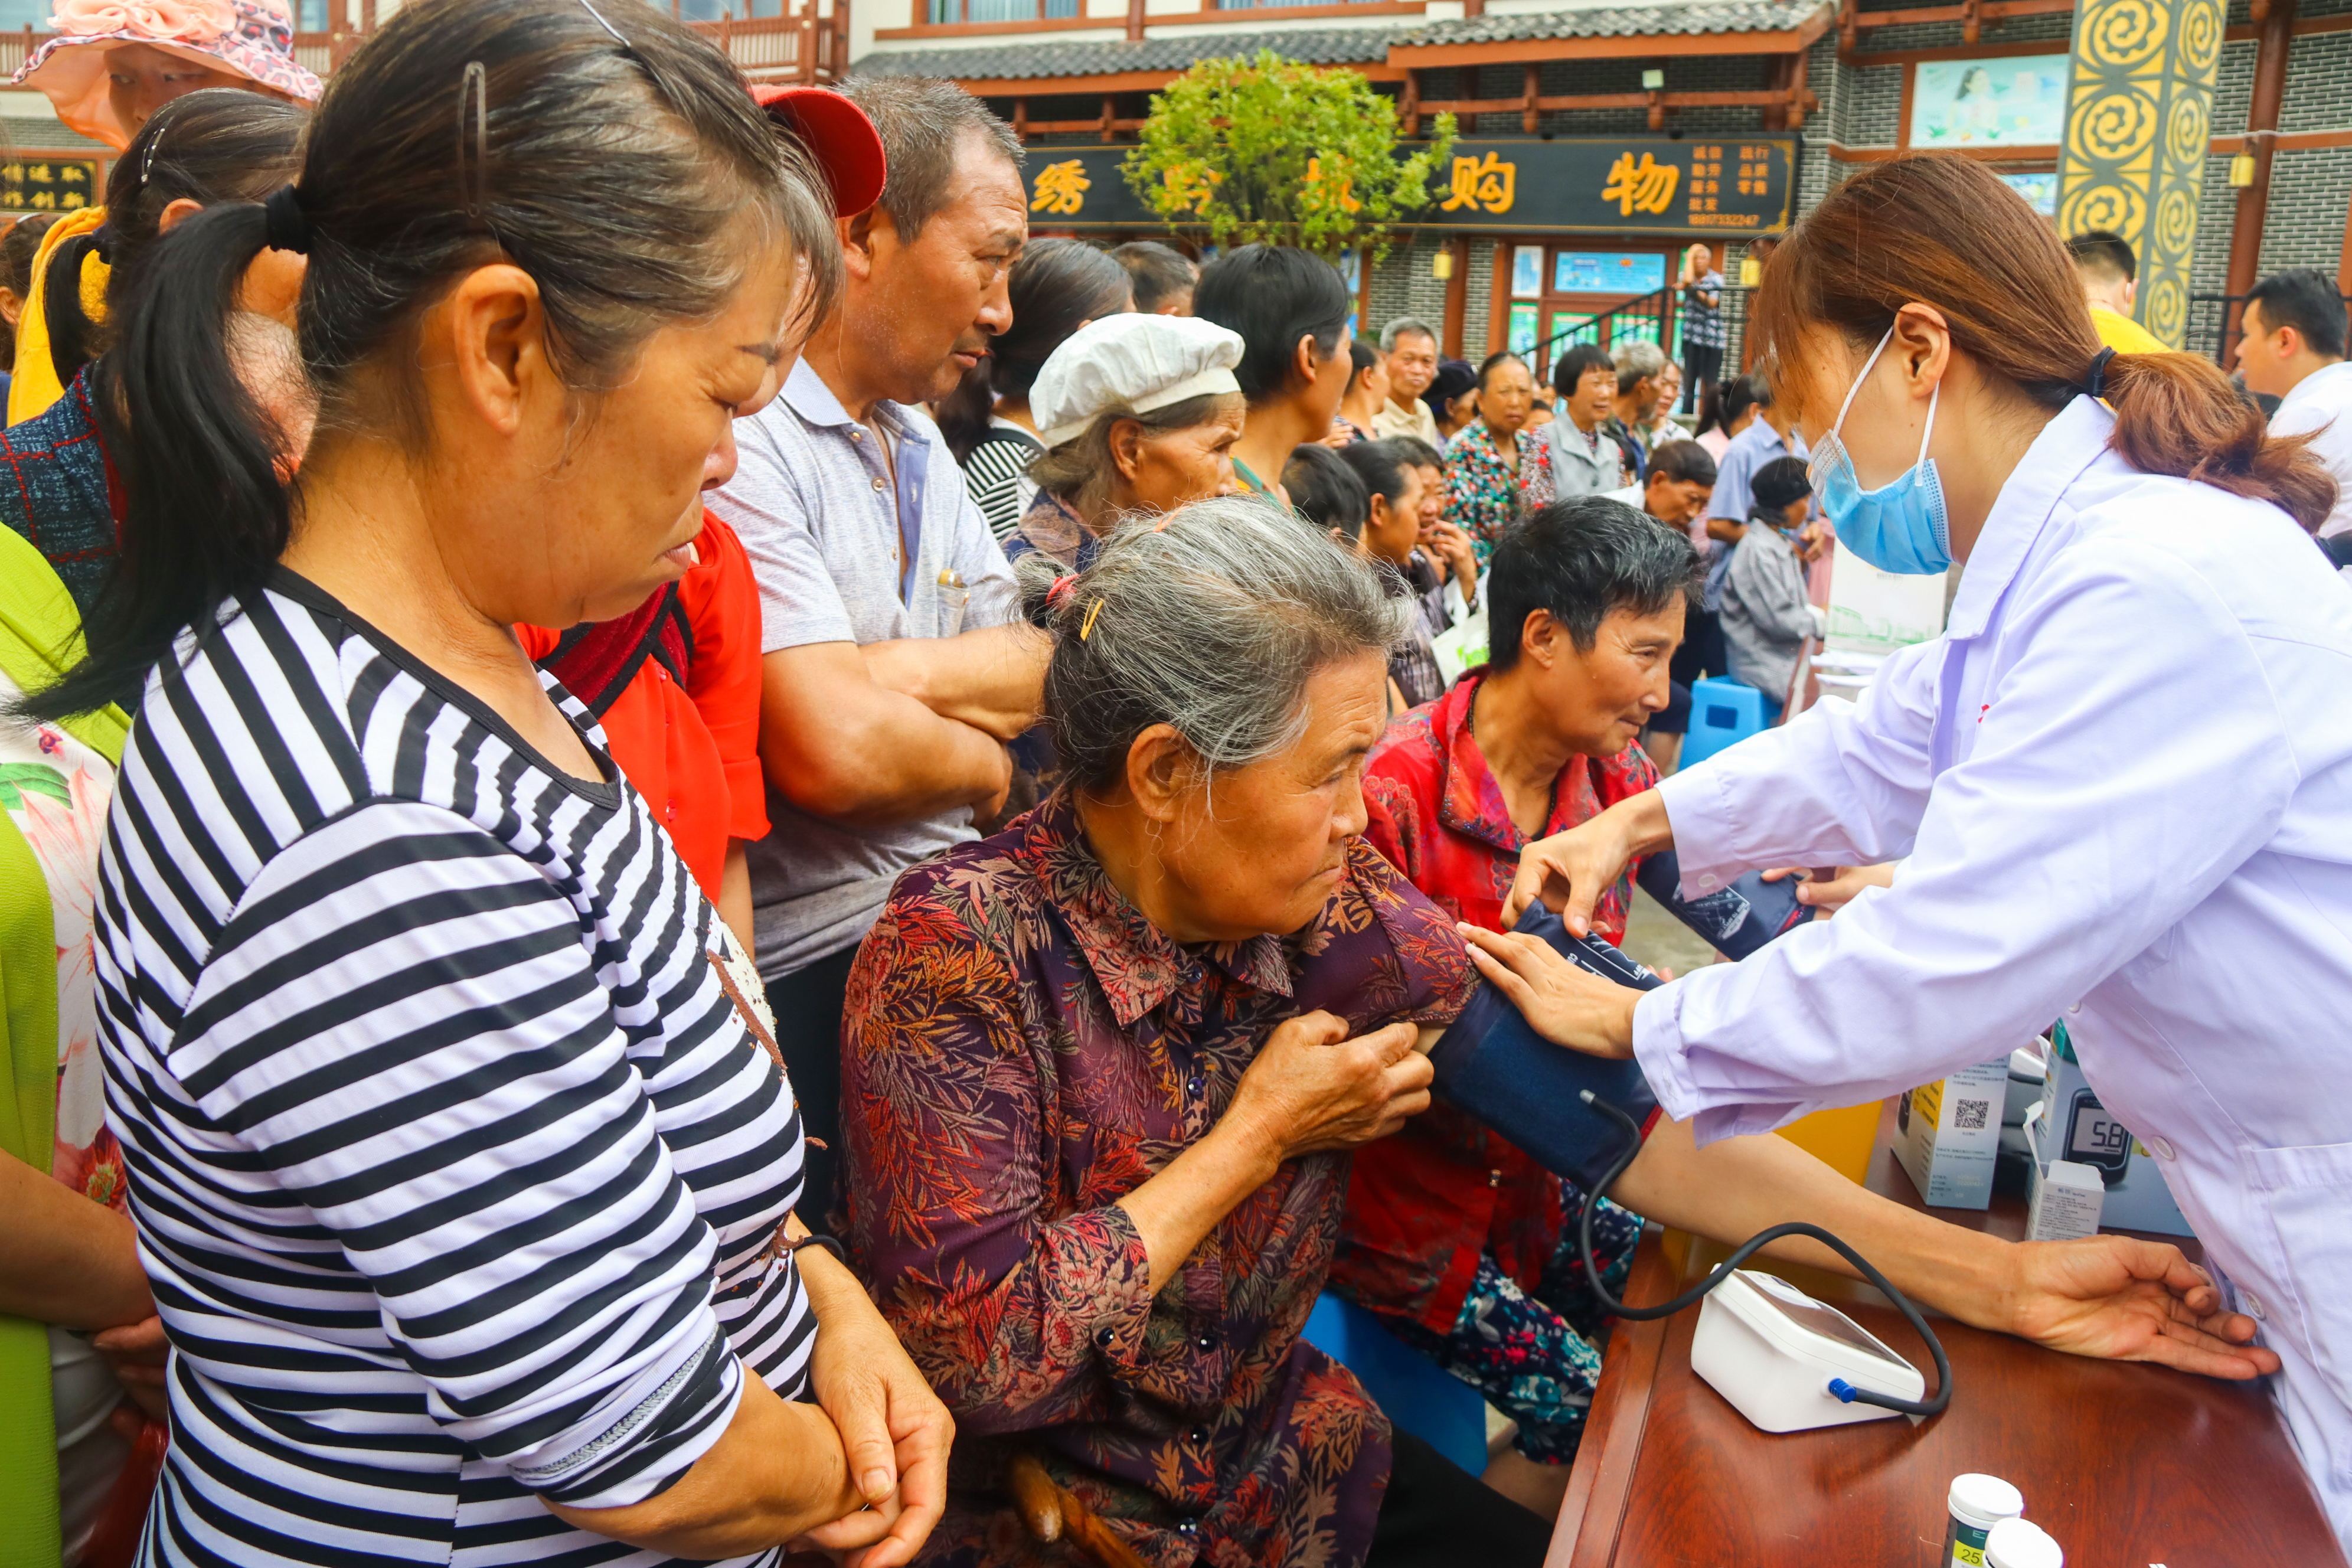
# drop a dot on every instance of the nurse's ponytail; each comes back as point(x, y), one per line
point(1942, 230)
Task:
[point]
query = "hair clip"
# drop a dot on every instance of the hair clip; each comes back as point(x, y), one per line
point(1058, 593)
point(1088, 626)
point(155, 140)
point(601, 22)
point(474, 91)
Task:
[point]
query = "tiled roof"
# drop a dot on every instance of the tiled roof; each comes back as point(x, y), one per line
point(1674, 17)
point(1321, 47)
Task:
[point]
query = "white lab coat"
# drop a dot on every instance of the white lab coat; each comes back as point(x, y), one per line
point(2122, 780)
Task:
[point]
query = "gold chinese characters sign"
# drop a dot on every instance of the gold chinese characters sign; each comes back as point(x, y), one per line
point(49, 184)
point(1580, 184)
point(2139, 113)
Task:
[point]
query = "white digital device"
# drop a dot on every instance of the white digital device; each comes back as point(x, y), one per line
point(1773, 1351)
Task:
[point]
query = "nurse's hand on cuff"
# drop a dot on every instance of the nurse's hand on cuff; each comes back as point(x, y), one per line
point(1561, 1001)
point(1831, 894)
point(1571, 871)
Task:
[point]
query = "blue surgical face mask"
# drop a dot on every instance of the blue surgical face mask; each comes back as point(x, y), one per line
point(1900, 526)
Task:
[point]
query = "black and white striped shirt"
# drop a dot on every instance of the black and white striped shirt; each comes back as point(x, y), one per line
point(997, 475)
point(457, 1170)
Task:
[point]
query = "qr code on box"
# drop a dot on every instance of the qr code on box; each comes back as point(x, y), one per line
point(1968, 1115)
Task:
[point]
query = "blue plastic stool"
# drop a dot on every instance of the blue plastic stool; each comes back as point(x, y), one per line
point(1420, 1396)
point(1722, 711)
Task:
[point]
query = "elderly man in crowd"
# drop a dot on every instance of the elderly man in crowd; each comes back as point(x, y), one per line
point(1410, 347)
point(1641, 382)
point(1675, 492)
point(893, 670)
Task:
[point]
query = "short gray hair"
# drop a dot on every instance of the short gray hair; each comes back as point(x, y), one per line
point(924, 122)
point(1636, 359)
point(1211, 621)
point(1403, 327)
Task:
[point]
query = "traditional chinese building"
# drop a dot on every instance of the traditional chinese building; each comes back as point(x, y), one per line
point(1599, 141)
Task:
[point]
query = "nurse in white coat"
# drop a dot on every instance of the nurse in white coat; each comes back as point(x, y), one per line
point(2122, 780)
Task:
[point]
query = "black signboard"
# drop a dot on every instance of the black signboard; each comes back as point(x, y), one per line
point(31, 184)
point(1571, 184)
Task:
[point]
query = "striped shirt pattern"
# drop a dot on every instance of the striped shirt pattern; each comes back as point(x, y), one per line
point(997, 475)
point(458, 1174)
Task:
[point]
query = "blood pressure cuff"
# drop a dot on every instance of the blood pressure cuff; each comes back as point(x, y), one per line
point(1736, 921)
point(1493, 1066)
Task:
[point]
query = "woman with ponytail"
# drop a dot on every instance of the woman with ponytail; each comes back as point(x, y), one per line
point(83, 1332)
point(220, 144)
point(2122, 779)
point(459, 1152)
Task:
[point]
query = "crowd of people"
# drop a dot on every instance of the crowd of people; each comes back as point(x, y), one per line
point(706, 857)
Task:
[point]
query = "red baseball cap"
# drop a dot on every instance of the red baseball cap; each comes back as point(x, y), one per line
point(837, 135)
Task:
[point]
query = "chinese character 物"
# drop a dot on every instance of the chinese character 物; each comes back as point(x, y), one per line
point(1647, 186)
point(1061, 188)
point(1487, 183)
point(71, 200)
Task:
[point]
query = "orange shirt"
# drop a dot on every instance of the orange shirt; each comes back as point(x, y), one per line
point(694, 753)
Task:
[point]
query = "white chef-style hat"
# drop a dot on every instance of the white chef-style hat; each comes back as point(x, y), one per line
point(1134, 362)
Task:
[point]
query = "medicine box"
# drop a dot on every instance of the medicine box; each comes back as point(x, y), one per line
point(1950, 1133)
point(2063, 1204)
point(2075, 1126)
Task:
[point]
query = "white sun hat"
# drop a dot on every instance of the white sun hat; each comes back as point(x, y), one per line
point(1133, 362)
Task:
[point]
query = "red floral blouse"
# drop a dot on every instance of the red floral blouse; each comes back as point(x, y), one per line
point(1022, 1049)
point(1424, 1203)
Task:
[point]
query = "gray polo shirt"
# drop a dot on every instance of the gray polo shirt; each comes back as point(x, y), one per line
point(814, 503)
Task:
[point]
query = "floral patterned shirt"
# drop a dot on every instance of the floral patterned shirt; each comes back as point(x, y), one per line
point(1482, 491)
point(1021, 1049)
point(56, 789)
point(1425, 1203)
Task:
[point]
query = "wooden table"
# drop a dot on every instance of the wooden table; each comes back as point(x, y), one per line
point(2125, 1465)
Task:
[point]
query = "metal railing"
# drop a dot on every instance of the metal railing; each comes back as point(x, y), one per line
point(1655, 317)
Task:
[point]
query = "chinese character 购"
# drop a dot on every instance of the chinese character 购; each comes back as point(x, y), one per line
point(1343, 193)
point(1645, 186)
point(1487, 185)
point(1061, 188)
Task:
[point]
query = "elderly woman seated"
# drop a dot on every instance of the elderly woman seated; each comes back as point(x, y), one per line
point(1138, 415)
point(1102, 1072)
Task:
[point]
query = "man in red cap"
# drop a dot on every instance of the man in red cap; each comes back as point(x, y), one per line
point(895, 667)
point(677, 683)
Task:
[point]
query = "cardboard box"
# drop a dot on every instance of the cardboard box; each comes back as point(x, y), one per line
point(2076, 1126)
point(1949, 1133)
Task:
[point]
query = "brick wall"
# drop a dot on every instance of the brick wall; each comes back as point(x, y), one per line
point(1403, 286)
point(1860, 108)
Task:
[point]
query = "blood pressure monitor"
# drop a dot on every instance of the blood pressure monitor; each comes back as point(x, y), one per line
point(1774, 1352)
point(2096, 1139)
